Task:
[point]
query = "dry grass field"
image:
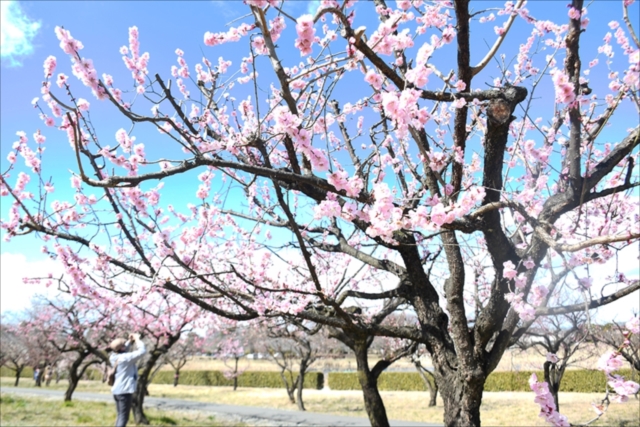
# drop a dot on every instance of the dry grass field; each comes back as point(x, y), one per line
point(498, 409)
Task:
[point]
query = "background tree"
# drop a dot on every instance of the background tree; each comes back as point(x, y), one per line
point(162, 319)
point(294, 347)
point(14, 349)
point(427, 376)
point(558, 339)
point(179, 354)
point(475, 167)
point(77, 327)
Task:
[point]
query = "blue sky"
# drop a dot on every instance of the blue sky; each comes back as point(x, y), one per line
point(102, 26)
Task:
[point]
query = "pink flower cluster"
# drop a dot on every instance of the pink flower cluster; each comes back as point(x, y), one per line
point(612, 361)
point(352, 186)
point(384, 217)
point(563, 87)
point(288, 123)
point(275, 28)
point(524, 310)
point(574, 13)
point(49, 66)
point(623, 388)
point(633, 325)
point(82, 68)
point(137, 63)
point(374, 79)
point(403, 109)
point(306, 34)
point(233, 35)
point(548, 409)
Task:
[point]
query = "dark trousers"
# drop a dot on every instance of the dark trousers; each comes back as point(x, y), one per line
point(123, 406)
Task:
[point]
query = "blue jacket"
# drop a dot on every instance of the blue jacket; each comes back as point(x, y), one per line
point(127, 371)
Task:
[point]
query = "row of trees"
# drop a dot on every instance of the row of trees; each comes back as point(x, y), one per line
point(381, 174)
point(70, 336)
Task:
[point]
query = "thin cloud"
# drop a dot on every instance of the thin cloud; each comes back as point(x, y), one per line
point(313, 7)
point(18, 32)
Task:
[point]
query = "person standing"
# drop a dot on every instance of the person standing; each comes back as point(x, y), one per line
point(126, 374)
point(48, 373)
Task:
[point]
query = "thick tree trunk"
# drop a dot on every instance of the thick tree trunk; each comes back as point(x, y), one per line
point(138, 399)
point(73, 383)
point(137, 407)
point(369, 384)
point(462, 398)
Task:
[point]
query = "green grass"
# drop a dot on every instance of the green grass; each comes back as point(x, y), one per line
point(37, 411)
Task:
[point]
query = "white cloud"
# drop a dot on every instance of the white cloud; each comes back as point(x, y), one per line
point(18, 31)
point(313, 7)
point(15, 295)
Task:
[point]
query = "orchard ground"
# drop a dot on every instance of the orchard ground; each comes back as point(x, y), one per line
point(498, 409)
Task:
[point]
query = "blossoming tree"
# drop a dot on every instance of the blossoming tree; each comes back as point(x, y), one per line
point(380, 152)
point(76, 328)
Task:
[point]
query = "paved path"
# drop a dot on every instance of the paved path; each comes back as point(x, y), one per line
point(250, 415)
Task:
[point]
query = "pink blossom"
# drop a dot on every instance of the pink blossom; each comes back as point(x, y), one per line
point(610, 361)
point(538, 294)
point(49, 66)
point(633, 325)
point(622, 387)
point(521, 281)
point(509, 271)
point(327, 208)
point(403, 4)
point(586, 282)
point(459, 103)
point(574, 13)
point(552, 357)
point(419, 75)
point(438, 215)
point(306, 33)
point(564, 89)
point(548, 408)
point(76, 182)
point(374, 79)
point(83, 104)
point(61, 80)
point(275, 28)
